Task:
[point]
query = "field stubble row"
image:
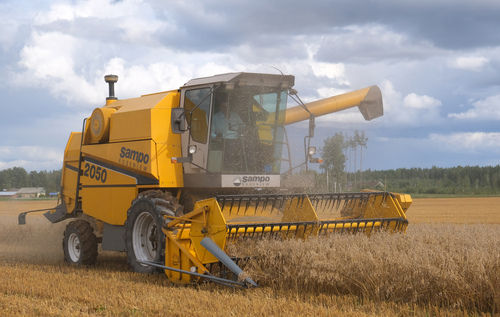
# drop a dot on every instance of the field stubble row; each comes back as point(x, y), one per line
point(438, 269)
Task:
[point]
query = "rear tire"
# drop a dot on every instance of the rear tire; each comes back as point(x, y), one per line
point(80, 243)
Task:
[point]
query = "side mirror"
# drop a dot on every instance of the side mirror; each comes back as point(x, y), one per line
point(310, 154)
point(179, 124)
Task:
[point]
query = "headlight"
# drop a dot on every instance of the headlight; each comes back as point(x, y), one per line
point(192, 149)
point(312, 150)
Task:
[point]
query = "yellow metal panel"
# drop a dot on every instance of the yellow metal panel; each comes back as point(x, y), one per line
point(168, 144)
point(130, 125)
point(99, 175)
point(169, 173)
point(68, 180)
point(208, 224)
point(297, 210)
point(139, 103)
point(69, 176)
point(383, 206)
point(404, 200)
point(72, 151)
point(137, 156)
point(147, 119)
point(100, 199)
point(143, 118)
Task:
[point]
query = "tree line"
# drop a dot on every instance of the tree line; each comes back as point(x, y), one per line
point(17, 177)
point(336, 175)
point(460, 180)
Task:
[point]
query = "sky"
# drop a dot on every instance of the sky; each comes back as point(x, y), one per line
point(437, 64)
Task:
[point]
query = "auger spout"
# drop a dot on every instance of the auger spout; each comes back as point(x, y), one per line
point(368, 100)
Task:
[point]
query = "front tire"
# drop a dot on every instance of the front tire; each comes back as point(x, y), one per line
point(145, 240)
point(80, 243)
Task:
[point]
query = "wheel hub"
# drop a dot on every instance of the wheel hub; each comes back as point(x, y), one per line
point(144, 237)
point(74, 247)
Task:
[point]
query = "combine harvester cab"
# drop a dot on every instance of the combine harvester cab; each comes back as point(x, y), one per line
point(172, 178)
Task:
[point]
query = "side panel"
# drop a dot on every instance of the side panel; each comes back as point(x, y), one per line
point(130, 125)
point(106, 192)
point(148, 142)
point(168, 144)
point(113, 238)
point(70, 170)
point(137, 157)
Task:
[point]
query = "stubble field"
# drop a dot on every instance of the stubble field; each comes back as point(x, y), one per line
point(448, 263)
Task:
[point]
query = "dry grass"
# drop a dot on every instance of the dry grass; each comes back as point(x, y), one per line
point(444, 265)
point(437, 270)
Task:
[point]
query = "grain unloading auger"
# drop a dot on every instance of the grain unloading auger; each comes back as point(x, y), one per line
point(171, 178)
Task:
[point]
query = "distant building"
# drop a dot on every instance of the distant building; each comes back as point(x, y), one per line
point(7, 194)
point(30, 192)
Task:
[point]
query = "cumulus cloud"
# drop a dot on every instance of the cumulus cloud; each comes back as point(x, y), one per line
point(48, 61)
point(410, 110)
point(415, 101)
point(33, 157)
point(472, 63)
point(329, 70)
point(64, 48)
point(485, 109)
point(468, 141)
point(371, 43)
point(58, 55)
point(130, 20)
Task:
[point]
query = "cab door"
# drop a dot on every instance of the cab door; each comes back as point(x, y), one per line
point(197, 103)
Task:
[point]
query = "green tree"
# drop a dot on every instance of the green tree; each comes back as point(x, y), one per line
point(17, 177)
point(334, 158)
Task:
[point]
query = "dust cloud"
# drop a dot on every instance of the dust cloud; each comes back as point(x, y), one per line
point(37, 242)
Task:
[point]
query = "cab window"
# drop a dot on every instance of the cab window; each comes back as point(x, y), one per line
point(197, 105)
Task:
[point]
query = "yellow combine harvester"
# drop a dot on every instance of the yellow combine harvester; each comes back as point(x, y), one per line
point(170, 178)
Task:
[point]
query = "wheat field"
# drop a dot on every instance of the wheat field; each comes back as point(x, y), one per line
point(447, 264)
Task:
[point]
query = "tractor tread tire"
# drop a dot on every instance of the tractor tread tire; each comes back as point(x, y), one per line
point(158, 204)
point(88, 242)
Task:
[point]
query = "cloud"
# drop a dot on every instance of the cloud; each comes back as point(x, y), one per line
point(485, 109)
point(411, 110)
point(422, 21)
point(329, 70)
point(463, 142)
point(49, 61)
point(372, 43)
point(414, 101)
point(409, 49)
point(472, 63)
point(129, 20)
point(53, 60)
point(30, 157)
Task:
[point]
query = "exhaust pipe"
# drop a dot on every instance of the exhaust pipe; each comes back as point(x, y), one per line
point(111, 80)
